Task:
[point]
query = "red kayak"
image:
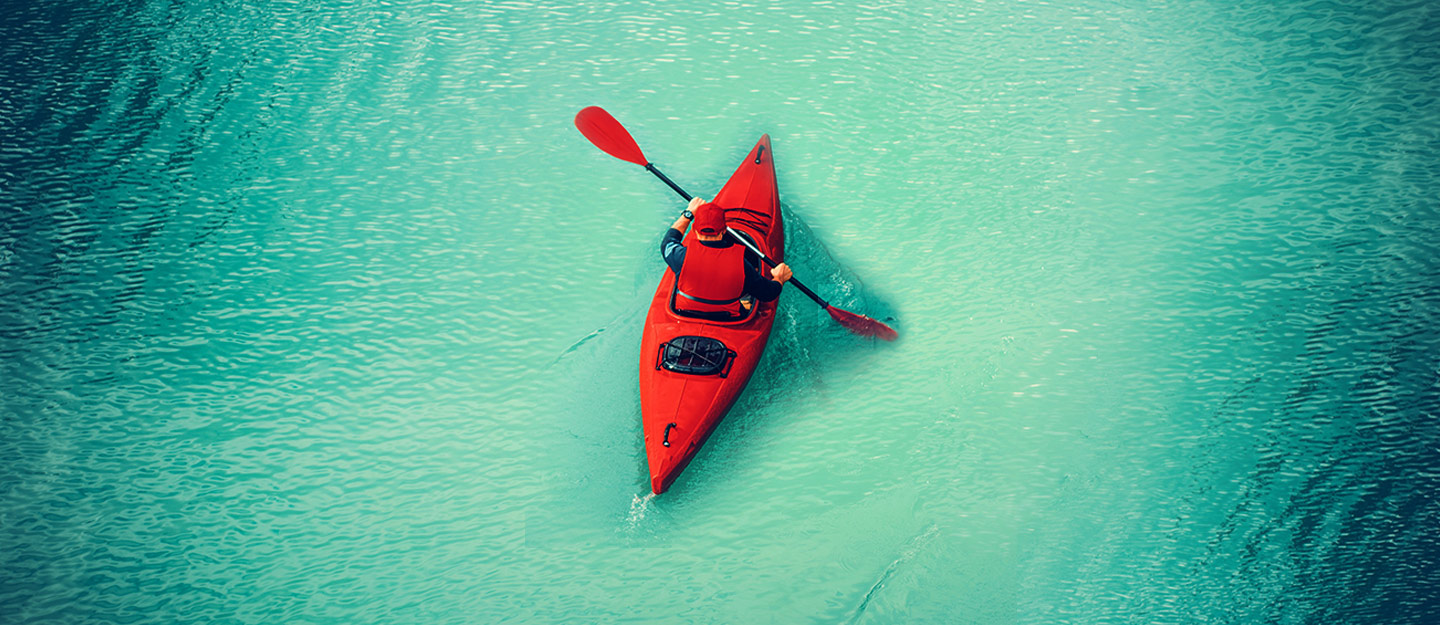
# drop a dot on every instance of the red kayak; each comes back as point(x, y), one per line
point(692, 370)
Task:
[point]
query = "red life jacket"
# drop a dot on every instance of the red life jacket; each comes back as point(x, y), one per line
point(712, 279)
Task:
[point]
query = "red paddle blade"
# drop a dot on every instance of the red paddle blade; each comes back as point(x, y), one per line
point(862, 325)
point(608, 135)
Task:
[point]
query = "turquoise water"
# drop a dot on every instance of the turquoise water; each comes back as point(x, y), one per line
point(324, 313)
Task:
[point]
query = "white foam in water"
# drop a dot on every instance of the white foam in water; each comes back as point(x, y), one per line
point(638, 507)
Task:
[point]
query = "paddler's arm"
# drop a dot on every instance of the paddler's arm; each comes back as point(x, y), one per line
point(763, 288)
point(672, 250)
point(672, 247)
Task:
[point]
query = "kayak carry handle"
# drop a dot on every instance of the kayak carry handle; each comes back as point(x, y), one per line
point(666, 442)
point(758, 151)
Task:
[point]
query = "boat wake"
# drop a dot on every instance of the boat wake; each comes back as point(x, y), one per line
point(916, 544)
point(620, 327)
point(835, 282)
point(576, 345)
point(639, 506)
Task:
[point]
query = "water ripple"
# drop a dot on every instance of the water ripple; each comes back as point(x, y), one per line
point(323, 312)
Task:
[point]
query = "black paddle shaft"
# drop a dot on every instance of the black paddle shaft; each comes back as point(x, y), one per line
point(650, 167)
point(666, 179)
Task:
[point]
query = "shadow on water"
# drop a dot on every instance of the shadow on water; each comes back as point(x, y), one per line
point(605, 471)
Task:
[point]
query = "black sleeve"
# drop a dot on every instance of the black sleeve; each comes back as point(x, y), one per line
point(760, 285)
point(672, 249)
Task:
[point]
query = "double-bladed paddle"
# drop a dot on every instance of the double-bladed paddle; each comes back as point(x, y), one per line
point(607, 134)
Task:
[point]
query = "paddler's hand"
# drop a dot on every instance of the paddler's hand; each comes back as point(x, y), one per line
point(684, 221)
point(781, 273)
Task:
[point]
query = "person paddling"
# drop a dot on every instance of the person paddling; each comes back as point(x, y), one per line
point(714, 274)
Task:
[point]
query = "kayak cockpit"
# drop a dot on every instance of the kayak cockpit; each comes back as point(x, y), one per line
point(714, 316)
point(749, 305)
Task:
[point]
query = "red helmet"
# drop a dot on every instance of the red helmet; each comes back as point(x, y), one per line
point(710, 219)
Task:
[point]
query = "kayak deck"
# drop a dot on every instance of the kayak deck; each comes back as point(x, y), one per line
point(692, 370)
